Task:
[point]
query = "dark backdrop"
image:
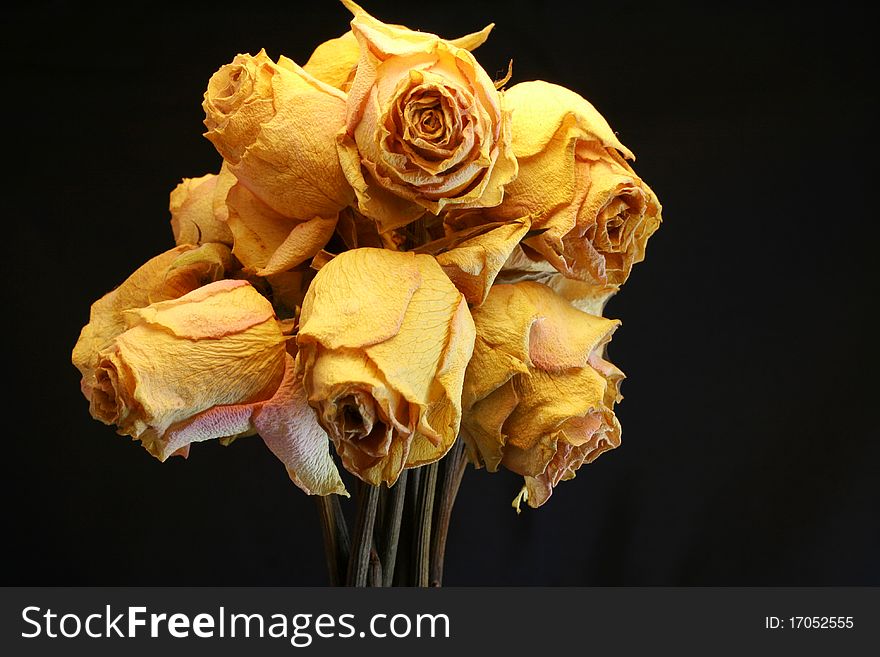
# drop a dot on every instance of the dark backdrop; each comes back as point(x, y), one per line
point(750, 450)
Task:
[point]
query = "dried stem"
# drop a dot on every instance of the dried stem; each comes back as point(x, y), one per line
point(375, 568)
point(423, 533)
point(406, 556)
point(393, 516)
point(336, 541)
point(453, 470)
point(359, 563)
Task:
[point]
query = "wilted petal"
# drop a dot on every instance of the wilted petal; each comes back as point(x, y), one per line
point(286, 424)
point(289, 427)
point(267, 242)
point(334, 61)
point(363, 298)
point(193, 220)
point(474, 263)
point(166, 276)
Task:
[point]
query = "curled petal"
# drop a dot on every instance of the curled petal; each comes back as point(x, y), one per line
point(193, 219)
point(474, 263)
point(267, 242)
point(286, 424)
point(166, 276)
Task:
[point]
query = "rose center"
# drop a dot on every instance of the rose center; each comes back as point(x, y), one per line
point(430, 122)
point(613, 227)
point(104, 398)
point(352, 421)
point(361, 426)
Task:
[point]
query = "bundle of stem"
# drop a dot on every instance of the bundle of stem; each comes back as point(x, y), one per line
point(399, 533)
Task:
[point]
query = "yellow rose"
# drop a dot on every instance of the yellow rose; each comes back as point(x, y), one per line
point(596, 214)
point(384, 341)
point(209, 364)
point(538, 397)
point(275, 126)
point(194, 210)
point(425, 128)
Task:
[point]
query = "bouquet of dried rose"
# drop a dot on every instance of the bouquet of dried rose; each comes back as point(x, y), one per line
point(398, 257)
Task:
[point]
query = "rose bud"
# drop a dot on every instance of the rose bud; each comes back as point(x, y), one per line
point(537, 396)
point(425, 128)
point(194, 210)
point(210, 364)
point(384, 340)
point(275, 126)
point(595, 213)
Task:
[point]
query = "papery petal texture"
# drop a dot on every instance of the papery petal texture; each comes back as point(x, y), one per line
point(425, 127)
point(384, 341)
point(538, 397)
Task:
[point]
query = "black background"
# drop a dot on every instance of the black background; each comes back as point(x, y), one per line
point(750, 448)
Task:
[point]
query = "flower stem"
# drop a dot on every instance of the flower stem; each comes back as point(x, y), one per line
point(392, 535)
point(375, 568)
point(359, 563)
point(423, 534)
point(453, 470)
point(336, 541)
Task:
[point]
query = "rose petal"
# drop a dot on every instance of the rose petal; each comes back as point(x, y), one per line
point(267, 242)
point(541, 109)
point(193, 221)
point(363, 298)
point(473, 265)
point(290, 429)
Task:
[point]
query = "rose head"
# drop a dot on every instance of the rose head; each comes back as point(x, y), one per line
point(219, 344)
point(275, 126)
point(384, 341)
point(425, 129)
point(538, 397)
point(209, 364)
point(595, 213)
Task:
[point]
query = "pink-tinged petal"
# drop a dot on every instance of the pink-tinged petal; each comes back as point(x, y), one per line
point(289, 427)
point(286, 423)
point(217, 422)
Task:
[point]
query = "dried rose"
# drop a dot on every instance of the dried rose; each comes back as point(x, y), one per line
point(275, 126)
point(383, 342)
point(425, 128)
point(596, 214)
point(538, 397)
point(209, 364)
